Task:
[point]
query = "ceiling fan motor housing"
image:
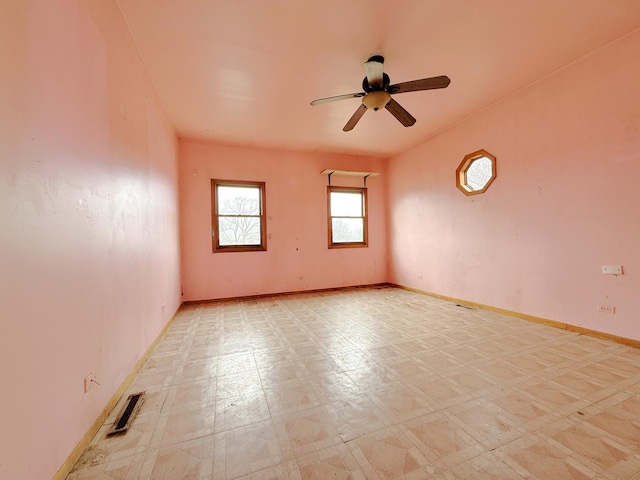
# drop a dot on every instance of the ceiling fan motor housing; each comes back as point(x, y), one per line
point(385, 83)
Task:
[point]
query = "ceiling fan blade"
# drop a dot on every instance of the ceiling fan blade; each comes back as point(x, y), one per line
point(374, 71)
point(354, 118)
point(424, 84)
point(337, 97)
point(400, 113)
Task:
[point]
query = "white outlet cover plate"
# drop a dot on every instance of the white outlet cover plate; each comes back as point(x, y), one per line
point(612, 269)
point(606, 309)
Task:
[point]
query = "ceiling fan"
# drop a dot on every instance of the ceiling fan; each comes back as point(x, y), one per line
point(377, 93)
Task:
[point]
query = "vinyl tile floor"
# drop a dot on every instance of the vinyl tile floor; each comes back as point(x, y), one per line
point(373, 383)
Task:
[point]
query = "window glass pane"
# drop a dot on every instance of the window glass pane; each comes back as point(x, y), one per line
point(347, 230)
point(479, 173)
point(238, 200)
point(239, 231)
point(346, 204)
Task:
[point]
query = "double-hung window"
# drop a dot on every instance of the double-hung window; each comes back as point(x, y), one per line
point(238, 216)
point(347, 217)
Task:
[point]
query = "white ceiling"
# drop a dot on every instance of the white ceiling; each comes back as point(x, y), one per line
point(244, 71)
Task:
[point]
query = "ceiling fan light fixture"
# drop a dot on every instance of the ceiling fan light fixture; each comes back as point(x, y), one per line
point(377, 93)
point(376, 100)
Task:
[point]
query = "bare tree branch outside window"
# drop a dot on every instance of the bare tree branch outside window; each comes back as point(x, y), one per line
point(347, 230)
point(347, 216)
point(242, 228)
point(239, 216)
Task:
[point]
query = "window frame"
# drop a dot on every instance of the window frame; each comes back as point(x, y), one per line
point(365, 216)
point(461, 172)
point(215, 233)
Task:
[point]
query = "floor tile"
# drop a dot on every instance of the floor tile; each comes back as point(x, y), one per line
point(193, 370)
point(444, 443)
point(535, 456)
point(238, 384)
point(403, 403)
point(486, 422)
point(310, 430)
point(183, 423)
point(189, 394)
point(483, 467)
point(357, 416)
point(239, 410)
point(440, 391)
point(376, 383)
point(250, 449)
point(524, 409)
point(333, 387)
point(389, 454)
point(271, 376)
point(331, 463)
point(284, 471)
point(234, 364)
point(126, 468)
point(291, 397)
point(188, 460)
point(600, 452)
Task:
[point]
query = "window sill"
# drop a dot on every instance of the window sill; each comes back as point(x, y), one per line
point(240, 248)
point(348, 245)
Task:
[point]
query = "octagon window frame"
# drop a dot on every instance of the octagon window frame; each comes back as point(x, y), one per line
point(461, 172)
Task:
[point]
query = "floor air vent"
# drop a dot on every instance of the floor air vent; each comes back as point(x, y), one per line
point(464, 306)
point(127, 414)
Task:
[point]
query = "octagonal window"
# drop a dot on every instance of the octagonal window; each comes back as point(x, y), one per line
point(476, 172)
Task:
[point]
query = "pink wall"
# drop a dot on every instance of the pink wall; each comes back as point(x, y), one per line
point(88, 204)
point(565, 201)
point(297, 257)
point(89, 258)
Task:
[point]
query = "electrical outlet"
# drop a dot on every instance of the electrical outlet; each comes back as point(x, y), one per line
point(89, 380)
point(606, 308)
point(612, 269)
